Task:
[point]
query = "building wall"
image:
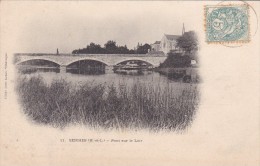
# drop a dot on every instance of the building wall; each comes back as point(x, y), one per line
point(155, 47)
point(167, 45)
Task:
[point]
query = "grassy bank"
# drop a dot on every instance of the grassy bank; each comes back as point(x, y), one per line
point(140, 106)
point(178, 67)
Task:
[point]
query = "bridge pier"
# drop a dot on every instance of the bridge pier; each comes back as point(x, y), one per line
point(63, 69)
point(109, 69)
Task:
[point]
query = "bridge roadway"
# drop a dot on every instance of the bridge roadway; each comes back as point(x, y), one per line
point(63, 60)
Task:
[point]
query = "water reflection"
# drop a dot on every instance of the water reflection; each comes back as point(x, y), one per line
point(30, 70)
point(133, 72)
point(178, 77)
point(90, 71)
point(106, 74)
point(87, 71)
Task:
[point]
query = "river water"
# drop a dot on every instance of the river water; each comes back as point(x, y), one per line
point(110, 77)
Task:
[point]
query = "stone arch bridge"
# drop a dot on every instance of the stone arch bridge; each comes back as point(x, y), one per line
point(63, 60)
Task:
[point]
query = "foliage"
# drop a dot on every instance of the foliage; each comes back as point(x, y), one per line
point(176, 60)
point(92, 48)
point(143, 49)
point(188, 41)
point(112, 48)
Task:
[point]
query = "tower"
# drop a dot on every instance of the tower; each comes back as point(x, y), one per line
point(183, 29)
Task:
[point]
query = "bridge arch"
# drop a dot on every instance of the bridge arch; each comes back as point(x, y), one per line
point(137, 59)
point(87, 59)
point(43, 59)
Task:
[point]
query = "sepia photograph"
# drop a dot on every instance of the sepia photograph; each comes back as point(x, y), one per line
point(133, 74)
point(152, 86)
point(129, 83)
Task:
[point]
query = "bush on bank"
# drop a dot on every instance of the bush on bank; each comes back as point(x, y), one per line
point(179, 60)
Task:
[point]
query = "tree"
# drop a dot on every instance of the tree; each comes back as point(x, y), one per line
point(122, 50)
point(188, 41)
point(143, 49)
point(176, 60)
point(111, 47)
point(146, 47)
point(94, 49)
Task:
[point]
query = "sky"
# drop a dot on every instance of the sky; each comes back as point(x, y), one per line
point(44, 26)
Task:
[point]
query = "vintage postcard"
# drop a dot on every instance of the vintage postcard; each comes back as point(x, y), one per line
point(127, 83)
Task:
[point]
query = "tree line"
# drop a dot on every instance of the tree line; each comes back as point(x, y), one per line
point(111, 47)
point(188, 42)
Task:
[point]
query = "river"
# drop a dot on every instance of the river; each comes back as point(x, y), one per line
point(110, 77)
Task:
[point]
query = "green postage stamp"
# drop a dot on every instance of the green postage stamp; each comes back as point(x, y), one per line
point(227, 23)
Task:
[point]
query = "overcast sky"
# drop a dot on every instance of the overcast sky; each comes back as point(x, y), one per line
point(45, 26)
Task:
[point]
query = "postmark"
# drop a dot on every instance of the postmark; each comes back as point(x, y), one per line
point(227, 23)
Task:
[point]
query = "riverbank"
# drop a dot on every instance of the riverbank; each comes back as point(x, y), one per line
point(184, 74)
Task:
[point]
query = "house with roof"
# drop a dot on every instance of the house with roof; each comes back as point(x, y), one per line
point(168, 43)
point(156, 46)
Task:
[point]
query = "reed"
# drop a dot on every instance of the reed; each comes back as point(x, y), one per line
point(141, 106)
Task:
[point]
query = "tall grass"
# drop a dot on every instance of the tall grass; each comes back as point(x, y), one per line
point(140, 106)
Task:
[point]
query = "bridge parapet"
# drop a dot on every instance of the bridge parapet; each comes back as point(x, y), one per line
point(88, 55)
point(108, 59)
